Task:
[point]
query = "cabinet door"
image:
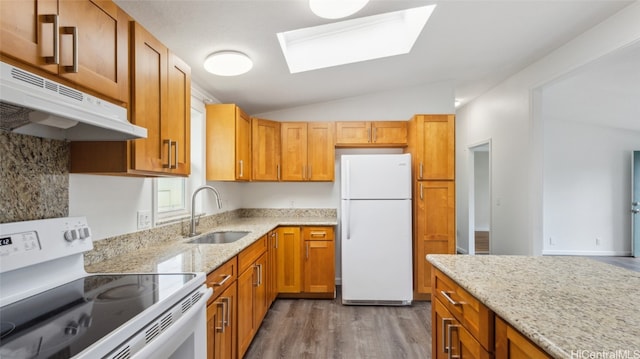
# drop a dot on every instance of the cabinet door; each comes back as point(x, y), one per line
point(246, 329)
point(434, 227)
point(243, 145)
point(260, 291)
point(289, 260)
point(100, 59)
point(321, 151)
point(177, 125)
point(225, 345)
point(265, 148)
point(213, 322)
point(510, 344)
point(27, 31)
point(389, 133)
point(436, 147)
point(272, 278)
point(294, 151)
point(149, 71)
point(319, 267)
point(352, 133)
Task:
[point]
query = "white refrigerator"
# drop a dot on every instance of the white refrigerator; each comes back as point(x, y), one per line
point(376, 236)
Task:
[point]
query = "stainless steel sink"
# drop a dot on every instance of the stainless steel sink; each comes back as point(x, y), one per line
point(219, 237)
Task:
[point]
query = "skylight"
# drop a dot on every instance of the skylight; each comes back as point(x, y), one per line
point(354, 40)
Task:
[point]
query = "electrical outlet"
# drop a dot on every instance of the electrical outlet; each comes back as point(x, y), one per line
point(144, 219)
point(292, 204)
point(597, 241)
point(551, 241)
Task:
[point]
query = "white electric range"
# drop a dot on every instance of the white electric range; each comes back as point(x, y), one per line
point(52, 308)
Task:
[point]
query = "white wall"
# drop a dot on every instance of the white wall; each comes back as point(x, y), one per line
point(509, 115)
point(587, 188)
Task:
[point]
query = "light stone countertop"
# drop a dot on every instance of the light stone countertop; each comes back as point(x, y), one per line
point(571, 307)
point(180, 256)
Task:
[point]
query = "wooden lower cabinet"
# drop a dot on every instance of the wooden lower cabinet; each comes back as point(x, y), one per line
point(463, 327)
point(221, 311)
point(289, 275)
point(513, 345)
point(450, 339)
point(252, 292)
point(434, 229)
point(319, 261)
point(221, 319)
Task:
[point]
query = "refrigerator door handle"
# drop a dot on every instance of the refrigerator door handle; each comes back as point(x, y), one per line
point(348, 198)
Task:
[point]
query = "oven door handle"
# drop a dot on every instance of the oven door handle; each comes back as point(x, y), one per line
point(176, 333)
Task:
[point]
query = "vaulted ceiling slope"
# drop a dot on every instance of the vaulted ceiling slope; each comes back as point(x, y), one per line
point(474, 44)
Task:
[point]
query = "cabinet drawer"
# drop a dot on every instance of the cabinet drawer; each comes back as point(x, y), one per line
point(318, 233)
point(468, 310)
point(221, 278)
point(251, 253)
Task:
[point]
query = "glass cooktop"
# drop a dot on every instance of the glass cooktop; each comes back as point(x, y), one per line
point(64, 321)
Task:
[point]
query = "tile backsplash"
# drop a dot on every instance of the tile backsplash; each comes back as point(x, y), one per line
point(34, 177)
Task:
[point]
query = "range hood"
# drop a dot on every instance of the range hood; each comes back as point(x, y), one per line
point(33, 105)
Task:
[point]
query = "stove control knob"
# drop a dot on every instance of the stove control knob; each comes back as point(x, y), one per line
point(70, 235)
point(84, 232)
point(71, 329)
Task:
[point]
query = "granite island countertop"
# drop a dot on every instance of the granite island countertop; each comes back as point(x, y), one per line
point(179, 256)
point(569, 306)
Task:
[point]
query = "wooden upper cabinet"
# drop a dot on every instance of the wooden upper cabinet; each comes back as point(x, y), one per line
point(156, 76)
point(432, 141)
point(150, 96)
point(371, 134)
point(88, 48)
point(228, 143)
point(265, 148)
point(308, 151)
point(176, 127)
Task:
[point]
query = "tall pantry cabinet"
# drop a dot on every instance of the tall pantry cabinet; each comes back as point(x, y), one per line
point(431, 142)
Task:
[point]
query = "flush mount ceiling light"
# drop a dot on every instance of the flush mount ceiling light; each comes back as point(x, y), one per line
point(354, 40)
point(228, 63)
point(336, 9)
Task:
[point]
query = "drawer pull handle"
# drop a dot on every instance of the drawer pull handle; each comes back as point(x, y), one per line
point(318, 234)
point(224, 309)
point(445, 346)
point(226, 278)
point(448, 298)
point(449, 332)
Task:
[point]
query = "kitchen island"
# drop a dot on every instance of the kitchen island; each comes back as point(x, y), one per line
point(570, 307)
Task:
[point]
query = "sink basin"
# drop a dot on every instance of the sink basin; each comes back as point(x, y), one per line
point(219, 237)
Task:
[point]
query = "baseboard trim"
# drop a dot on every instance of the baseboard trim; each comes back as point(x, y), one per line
point(586, 253)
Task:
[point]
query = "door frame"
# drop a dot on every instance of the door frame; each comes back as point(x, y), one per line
point(635, 196)
point(481, 146)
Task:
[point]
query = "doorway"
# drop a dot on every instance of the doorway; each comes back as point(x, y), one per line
point(480, 198)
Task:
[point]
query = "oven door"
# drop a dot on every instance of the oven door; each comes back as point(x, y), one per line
point(185, 338)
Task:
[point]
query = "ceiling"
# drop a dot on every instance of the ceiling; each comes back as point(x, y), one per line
point(472, 44)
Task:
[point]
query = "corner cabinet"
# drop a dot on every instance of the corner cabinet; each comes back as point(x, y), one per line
point(308, 151)
point(157, 75)
point(228, 142)
point(88, 48)
point(371, 134)
point(431, 142)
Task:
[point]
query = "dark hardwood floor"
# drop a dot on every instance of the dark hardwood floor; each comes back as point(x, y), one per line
point(305, 328)
point(624, 262)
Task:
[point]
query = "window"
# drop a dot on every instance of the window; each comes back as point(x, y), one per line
point(171, 195)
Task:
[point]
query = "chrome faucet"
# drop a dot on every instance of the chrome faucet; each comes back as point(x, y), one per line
point(192, 230)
